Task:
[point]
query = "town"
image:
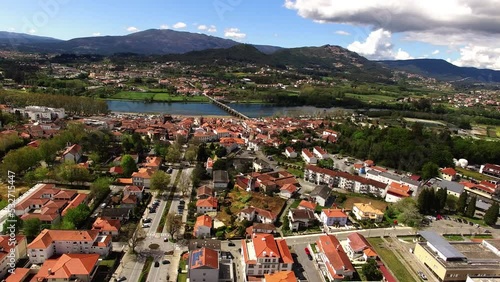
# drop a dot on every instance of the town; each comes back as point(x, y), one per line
point(144, 197)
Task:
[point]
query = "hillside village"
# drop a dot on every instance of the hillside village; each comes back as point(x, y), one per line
point(224, 199)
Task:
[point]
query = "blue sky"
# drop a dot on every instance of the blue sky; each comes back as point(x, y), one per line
point(287, 23)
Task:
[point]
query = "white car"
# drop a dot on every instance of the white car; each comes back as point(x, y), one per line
point(146, 225)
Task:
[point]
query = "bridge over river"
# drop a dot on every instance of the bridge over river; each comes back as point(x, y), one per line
point(227, 108)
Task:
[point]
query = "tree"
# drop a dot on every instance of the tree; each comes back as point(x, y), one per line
point(190, 154)
point(491, 214)
point(202, 154)
point(75, 217)
point(451, 202)
point(128, 165)
point(471, 207)
point(32, 227)
point(462, 203)
point(184, 184)
point(73, 172)
point(173, 153)
point(441, 196)
point(160, 180)
point(199, 173)
point(173, 223)
point(220, 164)
point(430, 170)
point(136, 235)
point(99, 189)
point(13, 225)
point(371, 271)
point(221, 152)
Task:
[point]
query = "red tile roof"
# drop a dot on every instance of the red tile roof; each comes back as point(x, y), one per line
point(398, 189)
point(208, 202)
point(308, 205)
point(20, 274)
point(307, 153)
point(281, 276)
point(265, 246)
point(47, 237)
point(204, 257)
point(338, 259)
point(66, 266)
point(203, 220)
point(336, 213)
point(108, 225)
point(75, 148)
point(448, 171)
point(358, 242)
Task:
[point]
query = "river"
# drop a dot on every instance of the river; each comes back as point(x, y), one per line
point(207, 109)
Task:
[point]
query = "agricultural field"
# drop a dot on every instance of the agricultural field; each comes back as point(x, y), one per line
point(157, 96)
point(371, 98)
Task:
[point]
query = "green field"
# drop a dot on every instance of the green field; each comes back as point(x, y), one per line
point(157, 97)
point(371, 98)
point(473, 174)
point(391, 261)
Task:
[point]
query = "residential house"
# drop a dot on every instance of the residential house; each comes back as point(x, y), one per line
point(142, 178)
point(320, 194)
point(121, 214)
point(320, 153)
point(203, 226)
point(153, 163)
point(57, 242)
point(204, 265)
point(308, 157)
point(280, 276)
point(257, 214)
point(452, 188)
point(257, 227)
point(129, 201)
point(262, 254)
point(69, 267)
point(306, 205)
point(206, 205)
point(290, 152)
point(448, 173)
point(19, 275)
point(204, 192)
point(220, 180)
point(397, 191)
point(301, 219)
point(132, 190)
point(333, 217)
point(365, 211)
point(209, 165)
point(107, 226)
point(11, 251)
point(287, 191)
point(359, 248)
point(72, 154)
point(259, 165)
point(336, 261)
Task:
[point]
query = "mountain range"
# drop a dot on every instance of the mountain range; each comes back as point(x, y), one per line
point(204, 48)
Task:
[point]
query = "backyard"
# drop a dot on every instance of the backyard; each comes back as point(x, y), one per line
point(375, 203)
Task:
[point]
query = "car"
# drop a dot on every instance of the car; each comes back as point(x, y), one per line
point(146, 225)
point(123, 278)
point(165, 261)
point(152, 210)
point(165, 239)
point(307, 251)
point(182, 202)
point(487, 231)
point(231, 244)
point(422, 275)
point(471, 223)
point(103, 205)
point(157, 263)
point(147, 220)
point(169, 170)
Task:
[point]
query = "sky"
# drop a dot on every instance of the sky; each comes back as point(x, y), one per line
point(463, 32)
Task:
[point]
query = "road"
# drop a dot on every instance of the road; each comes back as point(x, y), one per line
point(306, 269)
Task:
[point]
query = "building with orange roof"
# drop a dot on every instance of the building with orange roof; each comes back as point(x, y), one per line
point(153, 163)
point(288, 190)
point(203, 226)
point(333, 217)
point(290, 152)
point(204, 265)
point(133, 190)
point(448, 173)
point(209, 165)
point(11, 250)
point(308, 156)
point(336, 261)
point(263, 254)
point(358, 246)
point(301, 218)
point(56, 242)
point(319, 153)
point(257, 214)
point(19, 275)
point(365, 211)
point(280, 276)
point(206, 205)
point(490, 169)
point(142, 178)
point(79, 199)
point(107, 226)
point(307, 205)
point(204, 192)
point(397, 191)
point(72, 154)
point(69, 267)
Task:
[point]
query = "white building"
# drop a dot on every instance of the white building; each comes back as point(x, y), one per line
point(320, 153)
point(56, 242)
point(206, 205)
point(37, 113)
point(333, 217)
point(11, 251)
point(308, 156)
point(290, 152)
point(264, 255)
point(203, 226)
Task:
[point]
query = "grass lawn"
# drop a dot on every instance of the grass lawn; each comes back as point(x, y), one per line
point(391, 261)
point(297, 172)
point(375, 203)
point(157, 96)
point(182, 277)
point(19, 189)
point(473, 220)
point(108, 262)
point(473, 174)
point(129, 95)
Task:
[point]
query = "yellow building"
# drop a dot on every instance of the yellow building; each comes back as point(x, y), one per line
point(454, 261)
point(364, 211)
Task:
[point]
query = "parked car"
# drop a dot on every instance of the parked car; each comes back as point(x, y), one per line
point(308, 253)
point(169, 170)
point(165, 261)
point(165, 239)
point(231, 244)
point(182, 202)
point(103, 205)
point(422, 275)
point(147, 220)
point(123, 278)
point(152, 210)
point(146, 225)
point(157, 263)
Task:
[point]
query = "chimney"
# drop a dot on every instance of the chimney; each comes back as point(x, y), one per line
point(264, 253)
point(49, 271)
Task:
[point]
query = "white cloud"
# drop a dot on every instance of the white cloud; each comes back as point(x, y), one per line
point(212, 29)
point(12, 29)
point(479, 57)
point(32, 31)
point(163, 26)
point(96, 34)
point(378, 46)
point(179, 25)
point(435, 52)
point(342, 32)
point(202, 27)
point(132, 29)
point(234, 33)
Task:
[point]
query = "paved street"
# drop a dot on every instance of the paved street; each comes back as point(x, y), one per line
point(306, 269)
